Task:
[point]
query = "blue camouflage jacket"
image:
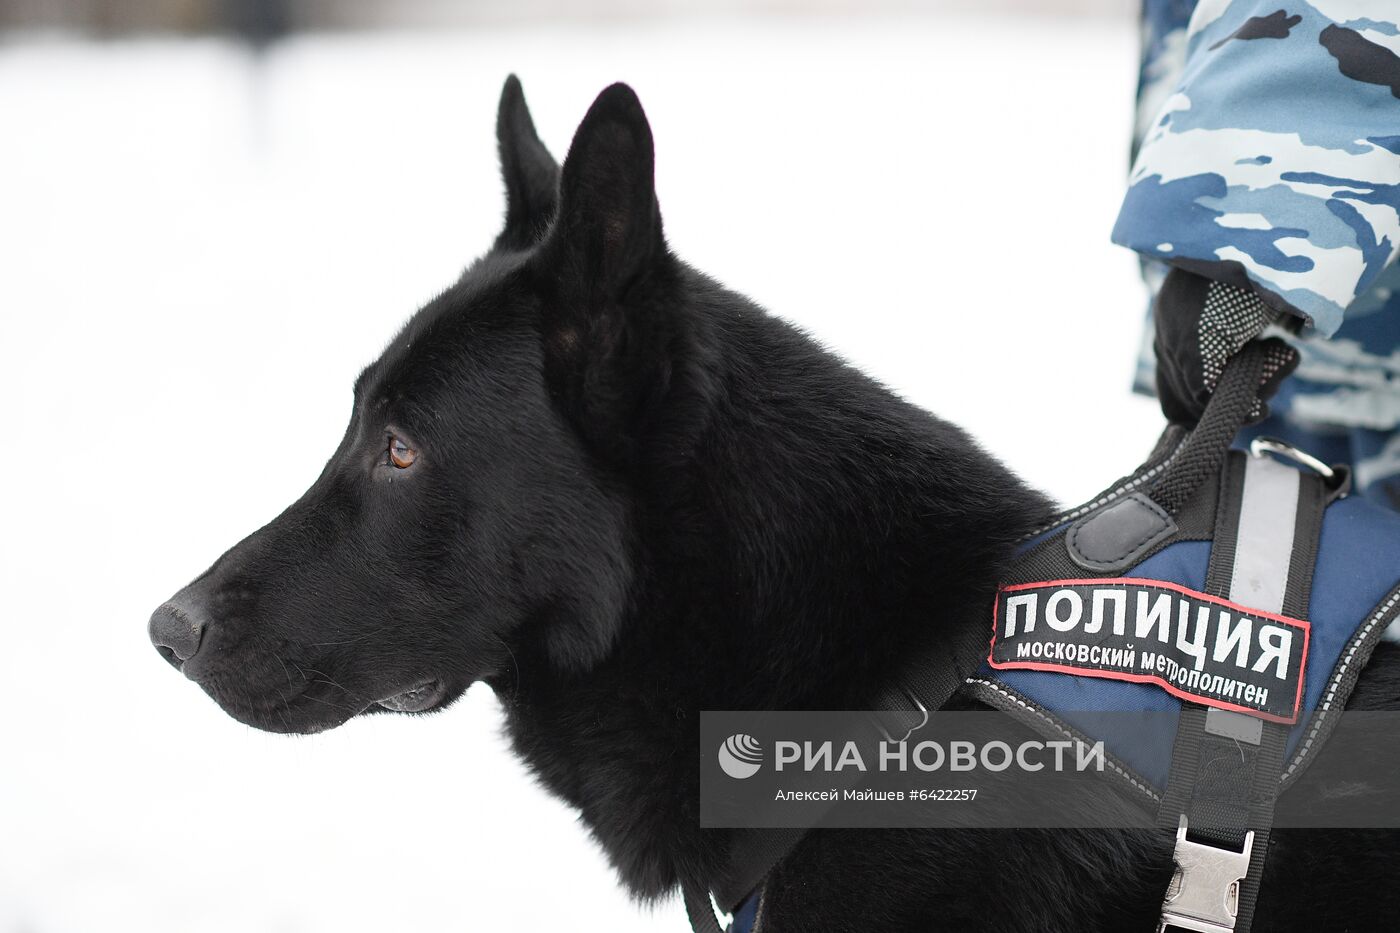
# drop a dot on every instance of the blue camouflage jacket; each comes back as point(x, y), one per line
point(1266, 152)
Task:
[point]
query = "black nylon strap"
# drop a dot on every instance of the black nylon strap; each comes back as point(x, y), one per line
point(1263, 795)
point(699, 910)
point(753, 856)
point(931, 681)
point(944, 668)
point(1227, 518)
point(1226, 787)
point(1314, 495)
point(1203, 452)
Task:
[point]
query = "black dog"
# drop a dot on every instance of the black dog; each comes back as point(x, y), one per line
point(621, 494)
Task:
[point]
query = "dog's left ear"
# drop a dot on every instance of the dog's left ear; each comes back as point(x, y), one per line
point(530, 173)
point(609, 332)
point(609, 227)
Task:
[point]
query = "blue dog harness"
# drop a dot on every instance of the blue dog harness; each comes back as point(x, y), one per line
point(1246, 618)
point(1196, 645)
point(1239, 594)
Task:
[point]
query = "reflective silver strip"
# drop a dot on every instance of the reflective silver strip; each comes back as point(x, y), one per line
point(1263, 551)
point(1264, 541)
point(1233, 725)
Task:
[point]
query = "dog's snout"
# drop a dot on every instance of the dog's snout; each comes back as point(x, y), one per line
point(176, 631)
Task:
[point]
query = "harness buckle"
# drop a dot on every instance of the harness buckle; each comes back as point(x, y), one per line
point(1204, 893)
point(909, 730)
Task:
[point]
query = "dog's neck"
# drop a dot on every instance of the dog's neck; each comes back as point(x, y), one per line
point(816, 532)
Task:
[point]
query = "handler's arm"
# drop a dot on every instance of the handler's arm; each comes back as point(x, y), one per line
point(1266, 168)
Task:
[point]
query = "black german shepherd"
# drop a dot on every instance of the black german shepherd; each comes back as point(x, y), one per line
point(620, 494)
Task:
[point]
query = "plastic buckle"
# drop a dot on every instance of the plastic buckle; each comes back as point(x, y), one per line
point(1204, 894)
point(918, 705)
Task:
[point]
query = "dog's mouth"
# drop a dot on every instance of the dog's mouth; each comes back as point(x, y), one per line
point(323, 706)
point(416, 699)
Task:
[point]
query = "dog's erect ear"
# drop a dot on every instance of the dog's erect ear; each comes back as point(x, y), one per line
point(530, 172)
point(611, 337)
point(609, 227)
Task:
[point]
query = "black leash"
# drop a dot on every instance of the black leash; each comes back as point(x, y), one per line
point(1203, 453)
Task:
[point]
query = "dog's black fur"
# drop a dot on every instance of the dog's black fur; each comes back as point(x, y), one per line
point(638, 496)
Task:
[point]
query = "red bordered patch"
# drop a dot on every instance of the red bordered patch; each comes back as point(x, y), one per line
point(1193, 645)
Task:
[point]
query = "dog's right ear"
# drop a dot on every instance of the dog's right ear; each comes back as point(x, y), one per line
point(530, 173)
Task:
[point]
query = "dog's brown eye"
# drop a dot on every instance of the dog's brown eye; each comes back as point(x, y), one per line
point(400, 454)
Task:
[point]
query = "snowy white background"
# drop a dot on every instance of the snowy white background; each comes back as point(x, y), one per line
point(198, 251)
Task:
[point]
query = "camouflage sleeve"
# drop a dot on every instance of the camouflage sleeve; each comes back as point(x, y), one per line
point(1267, 148)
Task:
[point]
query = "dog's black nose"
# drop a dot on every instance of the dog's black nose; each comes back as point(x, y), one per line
point(176, 632)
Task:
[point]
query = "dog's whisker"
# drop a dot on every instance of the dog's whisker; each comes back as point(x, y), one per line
point(338, 706)
point(287, 673)
point(331, 683)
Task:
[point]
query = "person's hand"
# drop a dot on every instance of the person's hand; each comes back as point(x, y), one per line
point(1201, 323)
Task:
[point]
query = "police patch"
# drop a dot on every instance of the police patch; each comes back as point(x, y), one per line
point(1195, 646)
